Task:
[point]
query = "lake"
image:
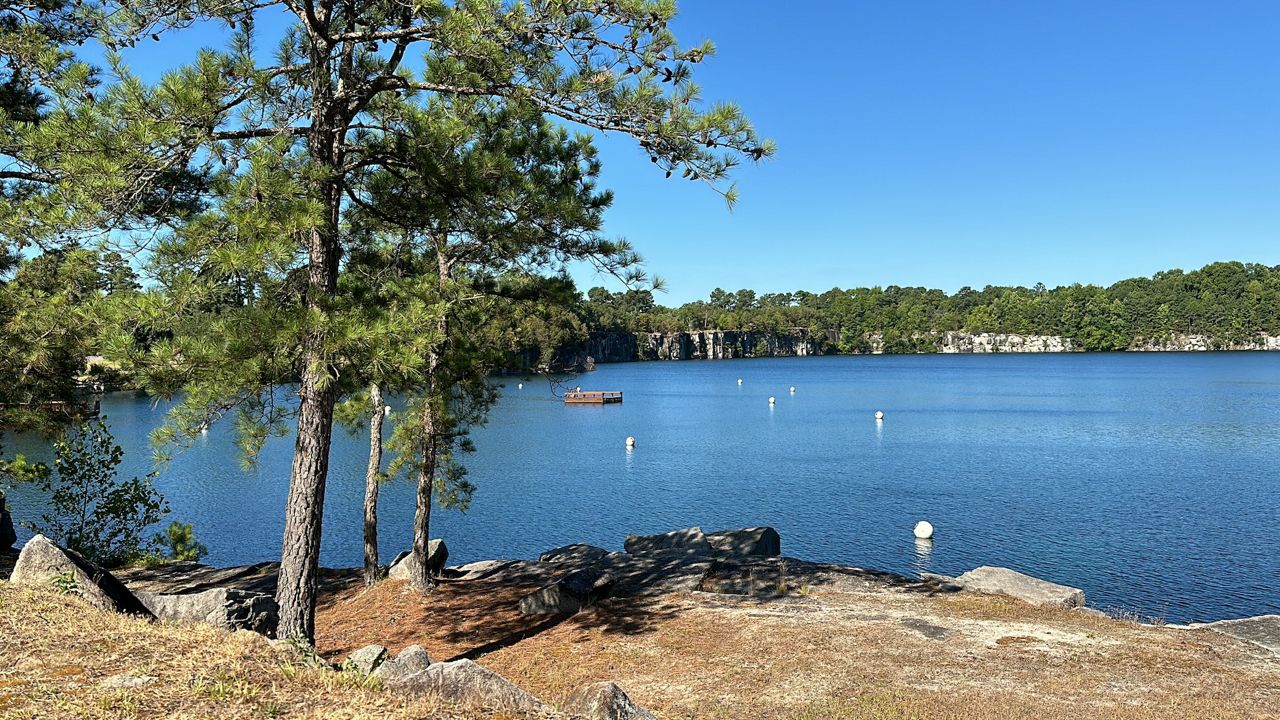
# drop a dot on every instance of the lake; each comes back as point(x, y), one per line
point(1149, 480)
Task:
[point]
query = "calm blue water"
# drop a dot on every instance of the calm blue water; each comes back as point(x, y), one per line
point(1149, 480)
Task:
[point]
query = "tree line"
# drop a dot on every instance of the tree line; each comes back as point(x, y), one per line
point(1229, 302)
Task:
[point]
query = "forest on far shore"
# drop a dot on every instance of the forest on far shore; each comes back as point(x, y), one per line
point(1230, 302)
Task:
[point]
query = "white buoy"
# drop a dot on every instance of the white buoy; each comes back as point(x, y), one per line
point(386, 410)
point(879, 414)
point(793, 389)
point(739, 381)
point(772, 400)
point(519, 386)
point(631, 442)
point(924, 530)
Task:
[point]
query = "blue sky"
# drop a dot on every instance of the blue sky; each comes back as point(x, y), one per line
point(946, 144)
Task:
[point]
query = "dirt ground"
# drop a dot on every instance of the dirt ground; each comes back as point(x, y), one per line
point(62, 659)
point(879, 654)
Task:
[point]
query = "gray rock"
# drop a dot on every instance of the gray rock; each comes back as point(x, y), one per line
point(182, 578)
point(574, 554)
point(760, 541)
point(42, 562)
point(8, 536)
point(510, 571)
point(603, 701)
point(945, 583)
point(413, 659)
point(367, 659)
point(656, 573)
point(481, 569)
point(221, 607)
point(465, 683)
point(437, 555)
point(998, 580)
point(691, 540)
point(1263, 630)
point(570, 593)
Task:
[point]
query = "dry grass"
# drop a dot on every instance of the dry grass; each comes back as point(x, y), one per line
point(875, 654)
point(884, 654)
point(58, 657)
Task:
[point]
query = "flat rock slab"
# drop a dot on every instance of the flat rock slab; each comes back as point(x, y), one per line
point(1003, 581)
point(577, 554)
point(525, 571)
point(189, 577)
point(760, 541)
point(1262, 630)
point(689, 540)
point(657, 572)
point(569, 594)
point(785, 575)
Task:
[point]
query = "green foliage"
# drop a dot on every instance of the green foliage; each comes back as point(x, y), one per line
point(65, 583)
point(334, 214)
point(47, 324)
point(178, 543)
point(93, 512)
point(1229, 302)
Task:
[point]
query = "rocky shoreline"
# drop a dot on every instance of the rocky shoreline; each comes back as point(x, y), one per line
point(743, 562)
point(619, 347)
point(719, 572)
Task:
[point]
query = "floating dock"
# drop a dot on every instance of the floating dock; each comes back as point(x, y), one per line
point(593, 397)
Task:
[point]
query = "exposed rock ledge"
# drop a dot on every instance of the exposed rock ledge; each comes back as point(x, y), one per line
point(958, 342)
point(615, 346)
point(612, 347)
point(1204, 343)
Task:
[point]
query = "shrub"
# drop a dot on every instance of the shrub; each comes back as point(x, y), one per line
point(93, 512)
point(179, 542)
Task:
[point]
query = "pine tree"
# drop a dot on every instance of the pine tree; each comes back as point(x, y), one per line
point(311, 126)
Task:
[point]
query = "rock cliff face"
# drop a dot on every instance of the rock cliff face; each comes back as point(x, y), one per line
point(612, 347)
point(606, 347)
point(1201, 343)
point(958, 342)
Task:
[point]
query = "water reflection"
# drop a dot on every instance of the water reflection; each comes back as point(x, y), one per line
point(920, 561)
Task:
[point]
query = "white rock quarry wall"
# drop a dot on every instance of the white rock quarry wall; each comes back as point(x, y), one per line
point(958, 342)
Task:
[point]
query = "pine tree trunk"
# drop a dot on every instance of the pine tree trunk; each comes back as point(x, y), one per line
point(300, 559)
point(419, 574)
point(304, 513)
point(371, 485)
